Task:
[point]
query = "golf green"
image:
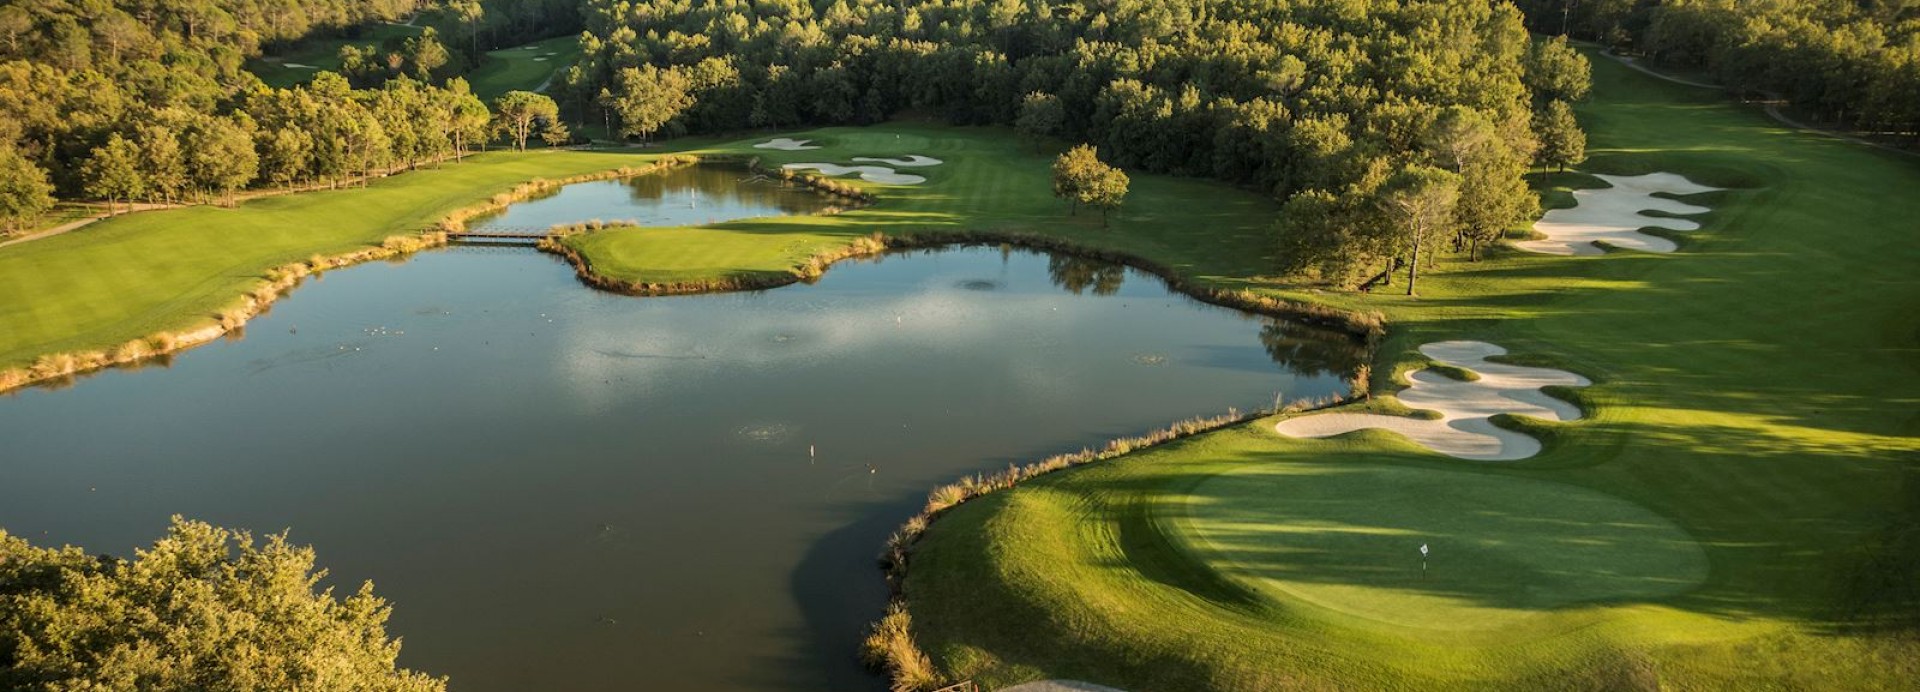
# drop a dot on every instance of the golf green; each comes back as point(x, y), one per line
point(1348, 538)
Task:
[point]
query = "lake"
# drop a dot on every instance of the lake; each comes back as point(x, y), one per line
point(560, 488)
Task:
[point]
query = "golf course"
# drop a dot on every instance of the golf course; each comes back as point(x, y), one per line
point(1664, 436)
point(1735, 510)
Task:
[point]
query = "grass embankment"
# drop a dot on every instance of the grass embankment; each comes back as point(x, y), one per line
point(142, 274)
point(1739, 501)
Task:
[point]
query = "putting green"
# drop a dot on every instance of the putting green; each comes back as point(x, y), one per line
point(1347, 538)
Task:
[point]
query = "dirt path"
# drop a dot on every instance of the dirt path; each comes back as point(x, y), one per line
point(1771, 106)
point(77, 224)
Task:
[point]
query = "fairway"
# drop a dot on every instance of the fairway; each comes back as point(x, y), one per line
point(1753, 394)
point(1347, 537)
point(527, 67)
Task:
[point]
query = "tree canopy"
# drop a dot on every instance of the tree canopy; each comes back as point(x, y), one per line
point(202, 609)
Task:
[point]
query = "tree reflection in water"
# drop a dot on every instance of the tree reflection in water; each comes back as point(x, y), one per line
point(1077, 275)
point(1313, 350)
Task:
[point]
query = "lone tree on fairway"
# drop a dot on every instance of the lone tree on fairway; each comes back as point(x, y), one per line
point(1420, 199)
point(519, 113)
point(1080, 177)
point(203, 609)
point(1561, 142)
point(24, 190)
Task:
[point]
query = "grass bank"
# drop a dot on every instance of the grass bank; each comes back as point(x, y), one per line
point(1735, 513)
point(181, 271)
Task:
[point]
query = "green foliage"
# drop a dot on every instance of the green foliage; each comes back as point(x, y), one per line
point(203, 608)
point(520, 114)
point(112, 173)
point(1562, 143)
point(647, 98)
point(24, 190)
point(1041, 117)
point(1421, 201)
point(1557, 72)
point(1080, 177)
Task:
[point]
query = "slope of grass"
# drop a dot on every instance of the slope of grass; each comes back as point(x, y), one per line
point(1754, 391)
point(523, 68)
point(143, 273)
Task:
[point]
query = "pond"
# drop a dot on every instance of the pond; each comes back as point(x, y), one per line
point(684, 196)
point(565, 489)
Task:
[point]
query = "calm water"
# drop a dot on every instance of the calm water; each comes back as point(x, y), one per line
point(566, 489)
point(689, 196)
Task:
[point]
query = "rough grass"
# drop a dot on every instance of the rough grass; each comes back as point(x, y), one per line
point(1754, 390)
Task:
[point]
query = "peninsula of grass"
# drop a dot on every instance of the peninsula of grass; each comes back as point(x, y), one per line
point(1738, 512)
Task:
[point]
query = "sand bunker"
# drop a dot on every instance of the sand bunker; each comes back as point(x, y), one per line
point(1613, 215)
point(1464, 428)
point(913, 161)
point(871, 174)
point(298, 66)
point(784, 144)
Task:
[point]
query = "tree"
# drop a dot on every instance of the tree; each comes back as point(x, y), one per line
point(1106, 191)
point(161, 161)
point(1041, 117)
point(223, 156)
point(426, 56)
point(519, 113)
point(464, 118)
point(1421, 200)
point(469, 13)
point(287, 154)
point(1557, 72)
point(112, 173)
point(556, 134)
point(24, 190)
point(203, 608)
point(1071, 171)
point(649, 97)
point(1562, 143)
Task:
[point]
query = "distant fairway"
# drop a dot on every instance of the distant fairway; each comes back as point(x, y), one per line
point(1346, 537)
point(523, 68)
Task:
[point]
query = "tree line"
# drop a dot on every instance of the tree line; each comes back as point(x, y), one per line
point(1314, 99)
point(148, 101)
point(1855, 63)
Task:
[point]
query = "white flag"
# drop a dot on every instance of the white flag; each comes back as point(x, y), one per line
point(1423, 550)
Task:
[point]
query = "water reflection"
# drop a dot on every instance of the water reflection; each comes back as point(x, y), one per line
point(631, 493)
point(1313, 350)
point(687, 196)
point(1078, 274)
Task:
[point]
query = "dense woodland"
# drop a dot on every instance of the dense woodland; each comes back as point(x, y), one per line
point(1325, 102)
point(149, 100)
point(1850, 62)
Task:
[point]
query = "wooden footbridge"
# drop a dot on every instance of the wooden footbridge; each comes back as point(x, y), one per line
point(502, 234)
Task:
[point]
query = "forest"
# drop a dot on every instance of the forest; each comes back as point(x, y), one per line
point(151, 100)
point(1325, 104)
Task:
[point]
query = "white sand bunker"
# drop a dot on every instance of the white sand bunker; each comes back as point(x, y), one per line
point(912, 161)
point(784, 144)
point(298, 66)
point(1464, 428)
point(871, 174)
point(1612, 215)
